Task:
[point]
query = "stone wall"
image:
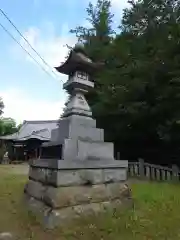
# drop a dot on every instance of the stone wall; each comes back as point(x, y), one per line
point(56, 195)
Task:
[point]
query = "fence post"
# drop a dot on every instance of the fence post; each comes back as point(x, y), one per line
point(118, 156)
point(141, 167)
point(175, 173)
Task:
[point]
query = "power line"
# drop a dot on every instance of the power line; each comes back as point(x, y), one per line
point(25, 39)
point(25, 50)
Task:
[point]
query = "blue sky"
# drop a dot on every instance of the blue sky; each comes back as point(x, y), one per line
point(27, 91)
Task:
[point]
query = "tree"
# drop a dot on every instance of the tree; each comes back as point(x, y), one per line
point(97, 40)
point(1, 106)
point(19, 126)
point(1, 112)
point(7, 126)
point(99, 35)
point(136, 99)
point(154, 28)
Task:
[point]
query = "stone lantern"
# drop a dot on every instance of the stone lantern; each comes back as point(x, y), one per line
point(83, 177)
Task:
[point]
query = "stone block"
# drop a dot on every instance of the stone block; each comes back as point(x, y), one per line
point(97, 193)
point(44, 175)
point(58, 164)
point(56, 177)
point(116, 195)
point(73, 127)
point(95, 150)
point(92, 176)
point(38, 174)
point(98, 176)
point(6, 236)
point(63, 196)
point(35, 189)
point(114, 175)
point(85, 177)
point(87, 209)
point(93, 134)
point(76, 120)
point(118, 191)
point(58, 218)
point(37, 208)
point(71, 196)
point(75, 176)
point(70, 150)
point(69, 178)
point(62, 216)
point(78, 195)
point(51, 177)
point(61, 132)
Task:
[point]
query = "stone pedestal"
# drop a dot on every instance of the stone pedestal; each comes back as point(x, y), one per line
point(59, 191)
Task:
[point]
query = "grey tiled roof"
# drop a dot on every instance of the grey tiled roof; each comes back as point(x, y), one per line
point(33, 129)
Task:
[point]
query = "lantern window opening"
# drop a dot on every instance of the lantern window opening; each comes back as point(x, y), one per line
point(82, 75)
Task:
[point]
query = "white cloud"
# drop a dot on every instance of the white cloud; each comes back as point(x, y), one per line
point(50, 45)
point(20, 106)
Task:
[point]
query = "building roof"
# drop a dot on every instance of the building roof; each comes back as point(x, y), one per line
point(40, 130)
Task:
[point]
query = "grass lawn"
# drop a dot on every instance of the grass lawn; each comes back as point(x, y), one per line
point(156, 215)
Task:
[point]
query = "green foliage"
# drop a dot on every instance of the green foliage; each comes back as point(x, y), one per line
point(1, 106)
point(7, 126)
point(137, 98)
point(154, 29)
point(19, 126)
point(97, 37)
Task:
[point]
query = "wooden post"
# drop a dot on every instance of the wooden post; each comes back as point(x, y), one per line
point(163, 175)
point(148, 172)
point(131, 170)
point(136, 172)
point(175, 173)
point(141, 167)
point(35, 153)
point(153, 176)
point(168, 176)
point(158, 175)
point(15, 150)
point(40, 152)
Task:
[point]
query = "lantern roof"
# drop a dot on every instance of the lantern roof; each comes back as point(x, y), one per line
point(78, 61)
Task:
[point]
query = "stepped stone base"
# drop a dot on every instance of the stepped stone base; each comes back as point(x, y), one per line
point(57, 195)
point(56, 206)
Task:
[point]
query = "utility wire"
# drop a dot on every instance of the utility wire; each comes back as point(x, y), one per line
point(25, 50)
point(25, 39)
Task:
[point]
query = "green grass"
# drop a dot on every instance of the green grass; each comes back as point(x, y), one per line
point(156, 215)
